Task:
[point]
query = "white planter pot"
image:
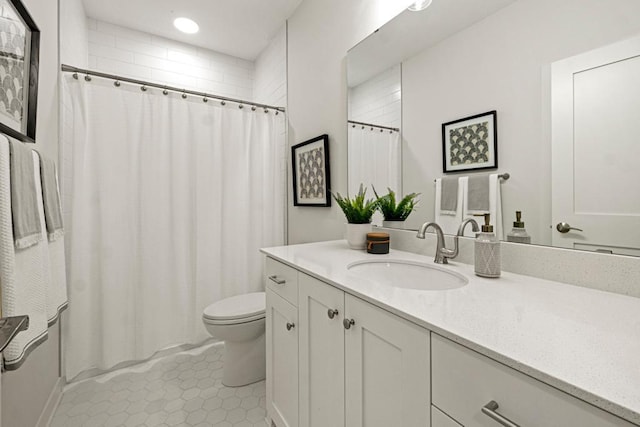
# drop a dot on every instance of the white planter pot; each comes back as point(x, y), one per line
point(357, 235)
point(393, 224)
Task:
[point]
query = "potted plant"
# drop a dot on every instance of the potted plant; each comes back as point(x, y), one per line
point(358, 212)
point(395, 213)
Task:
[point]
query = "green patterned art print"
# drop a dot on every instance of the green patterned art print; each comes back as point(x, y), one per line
point(470, 143)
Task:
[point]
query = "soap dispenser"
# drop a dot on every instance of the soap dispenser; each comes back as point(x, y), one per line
point(518, 234)
point(487, 251)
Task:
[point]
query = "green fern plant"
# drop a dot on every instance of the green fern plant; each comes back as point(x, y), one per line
point(357, 210)
point(396, 212)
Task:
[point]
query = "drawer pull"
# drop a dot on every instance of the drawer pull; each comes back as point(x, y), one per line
point(277, 281)
point(490, 410)
point(332, 313)
point(348, 323)
point(290, 326)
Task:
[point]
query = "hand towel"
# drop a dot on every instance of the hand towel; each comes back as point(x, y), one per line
point(449, 196)
point(477, 195)
point(22, 274)
point(24, 206)
point(494, 187)
point(449, 223)
point(51, 198)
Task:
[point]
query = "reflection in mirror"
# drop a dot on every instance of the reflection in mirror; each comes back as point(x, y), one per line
point(374, 134)
point(501, 60)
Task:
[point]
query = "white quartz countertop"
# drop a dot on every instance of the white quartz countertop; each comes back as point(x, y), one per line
point(582, 341)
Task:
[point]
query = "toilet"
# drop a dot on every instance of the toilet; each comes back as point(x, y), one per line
point(240, 322)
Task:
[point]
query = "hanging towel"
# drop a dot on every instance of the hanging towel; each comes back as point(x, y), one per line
point(449, 196)
point(494, 205)
point(477, 195)
point(24, 206)
point(23, 277)
point(51, 198)
point(449, 223)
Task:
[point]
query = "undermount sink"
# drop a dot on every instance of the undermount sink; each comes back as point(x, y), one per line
point(408, 274)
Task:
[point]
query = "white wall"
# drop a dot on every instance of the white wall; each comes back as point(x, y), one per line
point(320, 33)
point(502, 63)
point(378, 100)
point(270, 83)
point(74, 31)
point(123, 51)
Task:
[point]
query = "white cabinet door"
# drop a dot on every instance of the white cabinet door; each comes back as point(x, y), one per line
point(387, 369)
point(282, 361)
point(320, 312)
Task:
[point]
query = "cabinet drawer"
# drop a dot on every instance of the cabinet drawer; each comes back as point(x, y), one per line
point(440, 419)
point(282, 279)
point(464, 381)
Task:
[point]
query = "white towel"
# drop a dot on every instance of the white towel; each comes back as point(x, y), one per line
point(449, 223)
point(53, 260)
point(22, 275)
point(495, 206)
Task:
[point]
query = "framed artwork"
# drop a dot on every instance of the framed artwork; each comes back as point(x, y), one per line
point(19, 58)
point(310, 163)
point(470, 143)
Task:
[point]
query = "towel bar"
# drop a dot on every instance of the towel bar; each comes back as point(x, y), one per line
point(503, 176)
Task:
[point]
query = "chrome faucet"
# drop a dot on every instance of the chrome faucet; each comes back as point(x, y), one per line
point(442, 253)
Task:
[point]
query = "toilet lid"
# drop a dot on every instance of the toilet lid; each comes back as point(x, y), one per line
point(246, 306)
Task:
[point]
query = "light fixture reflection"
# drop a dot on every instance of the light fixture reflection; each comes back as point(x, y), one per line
point(186, 25)
point(420, 5)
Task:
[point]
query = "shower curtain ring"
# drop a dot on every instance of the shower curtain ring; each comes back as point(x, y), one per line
point(223, 102)
point(240, 106)
point(266, 110)
point(277, 112)
point(116, 83)
point(205, 99)
point(165, 92)
point(253, 108)
point(87, 78)
point(143, 88)
point(75, 76)
point(184, 95)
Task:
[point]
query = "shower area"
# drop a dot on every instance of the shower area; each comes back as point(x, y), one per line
point(170, 185)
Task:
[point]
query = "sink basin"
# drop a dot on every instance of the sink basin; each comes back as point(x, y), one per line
point(408, 274)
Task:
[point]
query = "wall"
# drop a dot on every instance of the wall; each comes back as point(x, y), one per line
point(270, 83)
point(74, 32)
point(131, 53)
point(503, 63)
point(26, 391)
point(320, 33)
point(378, 100)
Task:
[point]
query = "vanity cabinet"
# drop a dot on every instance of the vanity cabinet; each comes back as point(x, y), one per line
point(464, 382)
point(282, 344)
point(359, 364)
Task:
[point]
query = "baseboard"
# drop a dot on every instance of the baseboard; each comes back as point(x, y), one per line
point(52, 404)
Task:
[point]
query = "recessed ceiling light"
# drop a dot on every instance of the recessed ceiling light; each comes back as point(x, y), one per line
point(186, 25)
point(419, 5)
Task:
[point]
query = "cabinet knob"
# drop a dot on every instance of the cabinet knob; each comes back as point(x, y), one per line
point(290, 326)
point(490, 410)
point(332, 313)
point(348, 323)
point(277, 281)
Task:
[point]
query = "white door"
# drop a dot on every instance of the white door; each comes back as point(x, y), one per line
point(387, 380)
point(321, 333)
point(596, 149)
point(282, 361)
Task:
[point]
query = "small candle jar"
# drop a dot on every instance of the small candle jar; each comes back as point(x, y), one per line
point(378, 243)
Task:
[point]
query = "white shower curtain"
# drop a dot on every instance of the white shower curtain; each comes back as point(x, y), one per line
point(167, 202)
point(374, 160)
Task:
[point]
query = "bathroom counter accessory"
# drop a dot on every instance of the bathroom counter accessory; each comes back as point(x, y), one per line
point(581, 341)
point(9, 328)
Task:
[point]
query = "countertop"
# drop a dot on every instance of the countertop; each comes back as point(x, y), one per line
point(583, 341)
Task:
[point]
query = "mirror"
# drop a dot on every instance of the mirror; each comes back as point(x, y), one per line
point(461, 58)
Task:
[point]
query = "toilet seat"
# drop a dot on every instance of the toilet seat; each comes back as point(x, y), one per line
point(238, 309)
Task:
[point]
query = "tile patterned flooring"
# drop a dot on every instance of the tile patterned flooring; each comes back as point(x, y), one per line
point(184, 389)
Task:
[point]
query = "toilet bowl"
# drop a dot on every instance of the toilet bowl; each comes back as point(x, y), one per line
point(240, 322)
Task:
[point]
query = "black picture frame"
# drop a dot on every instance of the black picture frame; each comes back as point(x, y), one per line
point(18, 119)
point(470, 143)
point(311, 172)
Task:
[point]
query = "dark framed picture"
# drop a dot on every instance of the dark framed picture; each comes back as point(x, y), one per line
point(470, 143)
point(19, 58)
point(310, 163)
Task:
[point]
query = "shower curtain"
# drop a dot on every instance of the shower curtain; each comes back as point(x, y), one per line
point(374, 160)
point(167, 201)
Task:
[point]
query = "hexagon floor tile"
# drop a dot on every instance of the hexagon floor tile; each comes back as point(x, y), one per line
point(184, 389)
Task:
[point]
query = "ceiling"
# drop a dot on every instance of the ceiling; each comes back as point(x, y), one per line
point(241, 28)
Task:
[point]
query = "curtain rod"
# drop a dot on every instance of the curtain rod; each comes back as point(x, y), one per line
point(372, 126)
point(165, 88)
